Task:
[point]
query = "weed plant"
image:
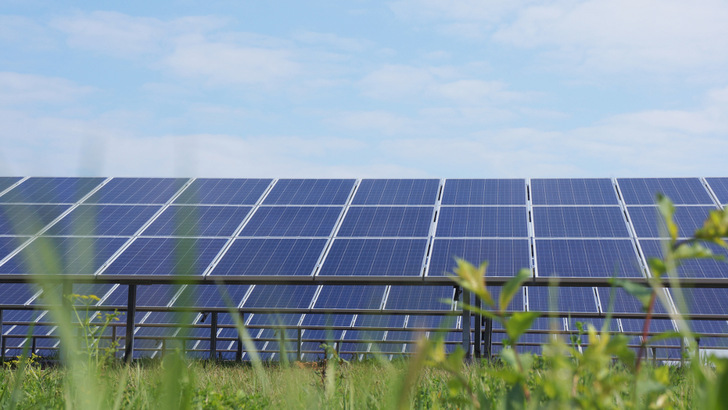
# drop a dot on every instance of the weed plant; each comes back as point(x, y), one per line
point(594, 369)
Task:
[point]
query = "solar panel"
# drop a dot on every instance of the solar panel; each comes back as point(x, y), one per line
point(212, 296)
point(573, 192)
point(579, 222)
point(350, 297)
point(375, 257)
point(137, 191)
point(720, 188)
point(482, 222)
point(62, 255)
point(397, 192)
point(516, 304)
point(623, 302)
point(387, 221)
point(166, 256)
point(270, 257)
point(218, 191)
point(682, 191)
point(9, 243)
point(484, 192)
point(705, 301)
point(146, 295)
point(292, 221)
point(555, 299)
point(693, 268)
point(648, 222)
point(310, 192)
point(103, 220)
point(198, 221)
point(27, 219)
point(280, 297)
point(16, 293)
point(706, 327)
point(505, 256)
point(587, 258)
point(51, 190)
point(421, 298)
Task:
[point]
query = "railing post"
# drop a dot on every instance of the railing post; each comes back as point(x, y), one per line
point(32, 344)
point(2, 339)
point(298, 345)
point(239, 351)
point(466, 324)
point(478, 330)
point(488, 338)
point(130, 322)
point(213, 335)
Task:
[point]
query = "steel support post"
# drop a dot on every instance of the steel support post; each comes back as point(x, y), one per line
point(466, 324)
point(478, 330)
point(130, 322)
point(213, 335)
point(239, 351)
point(298, 345)
point(2, 339)
point(488, 338)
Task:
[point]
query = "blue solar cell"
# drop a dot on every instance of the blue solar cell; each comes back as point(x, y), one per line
point(704, 301)
point(505, 256)
point(103, 220)
point(310, 192)
point(137, 191)
point(9, 244)
point(63, 255)
point(7, 182)
point(573, 192)
point(218, 191)
point(280, 297)
point(484, 192)
point(552, 299)
point(579, 222)
point(350, 297)
point(51, 190)
point(198, 221)
point(292, 221)
point(648, 222)
point(375, 257)
point(87, 289)
point(387, 221)
point(431, 322)
point(166, 256)
point(587, 258)
point(586, 321)
point(422, 298)
point(27, 219)
point(16, 293)
point(623, 302)
point(212, 296)
point(682, 191)
point(482, 222)
point(270, 257)
point(692, 268)
point(720, 188)
point(397, 192)
point(656, 326)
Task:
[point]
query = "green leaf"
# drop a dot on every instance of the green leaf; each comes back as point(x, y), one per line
point(473, 279)
point(657, 266)
point(642, 293)
point(664, 336)
point(667, 210)
point(519, 323)
point(693, 250)
point(512, 287)
point(515, 399)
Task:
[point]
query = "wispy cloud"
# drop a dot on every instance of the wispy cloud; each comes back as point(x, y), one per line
point(20, 89)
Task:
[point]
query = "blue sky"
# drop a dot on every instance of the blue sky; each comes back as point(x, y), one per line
point(403, 88)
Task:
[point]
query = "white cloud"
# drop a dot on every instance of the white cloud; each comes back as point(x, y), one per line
point(332, 40)
point(411, 83)
point(226, 63)
point(18, 88)
point(22, 32)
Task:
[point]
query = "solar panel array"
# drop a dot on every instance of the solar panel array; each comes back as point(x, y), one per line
point(152, 230)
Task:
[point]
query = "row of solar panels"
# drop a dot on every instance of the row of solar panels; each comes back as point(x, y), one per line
point(352, 330)
point(634, 191)
point(141, 241)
